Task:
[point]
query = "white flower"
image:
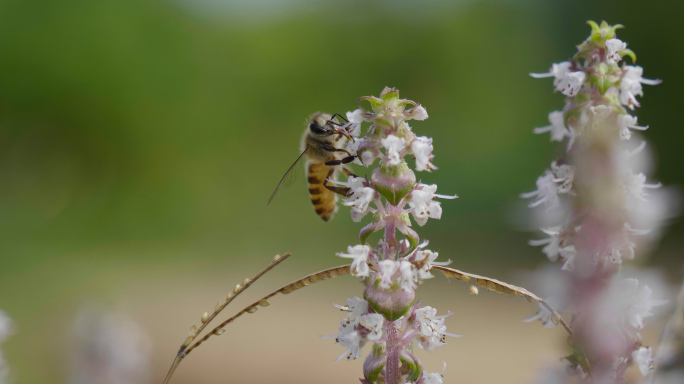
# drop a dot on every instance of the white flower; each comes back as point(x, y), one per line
point(572, 84)
point(569, 83)
point(353, 342)
point(356, 117)
point(367, 158)
point(428, 258)
point(6, 328)
point(638, 302)
point(613, 48)
point(627, 122)
point(552, 243)
point(432, 378)
point(394, 147)
point(110, 348)
point(600, 112)
point(418, 113)
point(557, 128)
point(387, 270)
point(558, 71)
point(423, 204)
point(356, 307)
point(409, 276)
point(564, 174)
point(635, 186)
point(630, 85)
point(359, 197)
point(627, 303)
point(642, 358)
point(359, 253)
point(432, 330)
point(374, 323)
point(422, 150)
point(569, 254)
point(546, 193)
point(544, 315)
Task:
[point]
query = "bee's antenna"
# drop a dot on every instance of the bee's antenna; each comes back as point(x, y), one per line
point(340, 116)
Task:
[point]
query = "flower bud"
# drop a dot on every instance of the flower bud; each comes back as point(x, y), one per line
point(393, 182)
point(392, 303)
point(374, 363)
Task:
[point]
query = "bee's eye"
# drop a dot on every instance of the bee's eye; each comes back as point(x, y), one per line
point(317, 129)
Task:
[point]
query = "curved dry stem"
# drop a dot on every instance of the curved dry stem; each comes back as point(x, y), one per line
point(502, 288)
point(288, 288)
point(220, 306)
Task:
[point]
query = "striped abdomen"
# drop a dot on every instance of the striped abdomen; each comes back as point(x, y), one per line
point(323, 199)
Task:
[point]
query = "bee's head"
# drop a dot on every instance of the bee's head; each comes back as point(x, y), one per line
point(322, 124)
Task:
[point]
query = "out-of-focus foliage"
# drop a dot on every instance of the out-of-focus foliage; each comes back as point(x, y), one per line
point(140, 139)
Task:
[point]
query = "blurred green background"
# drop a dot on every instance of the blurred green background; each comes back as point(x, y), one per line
point(141, 139)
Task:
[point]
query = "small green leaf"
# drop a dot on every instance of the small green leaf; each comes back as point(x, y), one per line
point(630, 53)
point(374, 375)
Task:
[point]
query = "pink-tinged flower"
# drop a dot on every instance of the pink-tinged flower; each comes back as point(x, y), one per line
point(557, 128)
point(359, 253)
point(613, 48)
point(417, 113)
point(422, 150)
point(394, 149)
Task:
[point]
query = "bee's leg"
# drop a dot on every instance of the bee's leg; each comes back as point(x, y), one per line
point(347, 172)
point(345, 160)
point(344, 191)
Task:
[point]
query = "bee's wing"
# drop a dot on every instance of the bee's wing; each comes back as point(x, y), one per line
point(280, 184)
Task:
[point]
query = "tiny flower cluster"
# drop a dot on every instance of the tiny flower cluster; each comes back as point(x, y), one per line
point(388, 274)
point(420, 326)
point(598, 196)
point(388, 315)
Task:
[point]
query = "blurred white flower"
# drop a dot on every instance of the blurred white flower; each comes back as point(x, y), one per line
point(557, 128)
point(111, 348)
point(642, 358)
point(546, 193)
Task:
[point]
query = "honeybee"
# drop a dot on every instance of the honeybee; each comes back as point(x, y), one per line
point(323, 146)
